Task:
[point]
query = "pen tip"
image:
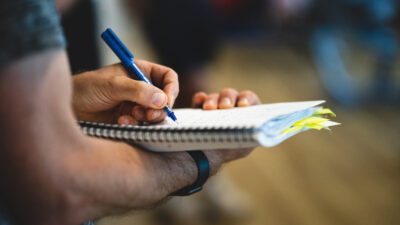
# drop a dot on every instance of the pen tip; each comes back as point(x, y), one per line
point(173, 117)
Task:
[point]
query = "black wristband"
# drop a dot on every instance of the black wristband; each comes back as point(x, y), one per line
point(203, 172)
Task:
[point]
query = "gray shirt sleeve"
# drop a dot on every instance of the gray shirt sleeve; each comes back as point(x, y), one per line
point(26, 27)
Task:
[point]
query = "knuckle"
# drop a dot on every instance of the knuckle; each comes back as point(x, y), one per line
point(138, 61)
point(246, 93)
point(228, 91)
point(114, 82)
point(173, 74)
point(138, 90)
point(199, 94)
point(213, 96)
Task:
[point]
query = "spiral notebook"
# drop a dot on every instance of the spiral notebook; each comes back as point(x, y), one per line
point(260, 125)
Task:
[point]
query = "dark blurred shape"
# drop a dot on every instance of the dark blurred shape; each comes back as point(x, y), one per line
point(367, 25)
point(186, 34)
point(182, 32)
point(80, 30)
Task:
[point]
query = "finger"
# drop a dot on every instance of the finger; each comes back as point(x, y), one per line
point(156, 72)
point(139, 113)
point(155, 115)
point(227, 98)
point(163, 77)
point(211, 102)
point(148, 115)
point(170, 85)
point(198, 99)
point(247, 98)
point(172, 91)
point(127, 89)
point(124, 117)
point(125, 108)
point(127, 120)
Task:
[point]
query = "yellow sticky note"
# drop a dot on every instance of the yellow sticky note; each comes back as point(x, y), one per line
point(324, 111)
point(317, 121)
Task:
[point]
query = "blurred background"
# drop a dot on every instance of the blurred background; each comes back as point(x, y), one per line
point(344, 51)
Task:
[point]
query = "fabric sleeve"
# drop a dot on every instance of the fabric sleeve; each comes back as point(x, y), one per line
point(28, 26)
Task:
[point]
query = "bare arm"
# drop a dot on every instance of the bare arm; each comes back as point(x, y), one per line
point(53, 172)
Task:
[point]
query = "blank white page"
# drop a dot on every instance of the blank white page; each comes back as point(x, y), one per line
point(252, 116)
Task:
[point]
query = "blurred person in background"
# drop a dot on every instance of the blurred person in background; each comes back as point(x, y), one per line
point(187, 35)
point(348, 33)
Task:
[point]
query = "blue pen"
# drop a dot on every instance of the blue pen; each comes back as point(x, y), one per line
point(126, 58)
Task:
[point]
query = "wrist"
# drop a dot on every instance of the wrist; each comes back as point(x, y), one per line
point(215, 161)
point(183, 169)
point(203, 173)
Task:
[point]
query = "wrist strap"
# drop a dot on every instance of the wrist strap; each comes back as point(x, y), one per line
point(203, 172)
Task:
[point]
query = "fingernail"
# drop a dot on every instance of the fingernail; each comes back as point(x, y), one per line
point(243, 102)
point(225, 102)
point(158, 99)
point(209, 105)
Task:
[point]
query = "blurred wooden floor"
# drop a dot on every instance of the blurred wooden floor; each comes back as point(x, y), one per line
point(349, 176)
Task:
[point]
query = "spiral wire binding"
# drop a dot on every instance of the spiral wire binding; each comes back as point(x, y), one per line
point(166, 134)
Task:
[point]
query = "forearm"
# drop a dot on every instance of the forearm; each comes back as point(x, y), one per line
point(56, 170)
point(125, 177)
point(94, 179)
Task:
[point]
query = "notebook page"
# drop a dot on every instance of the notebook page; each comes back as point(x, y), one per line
point(252, 116)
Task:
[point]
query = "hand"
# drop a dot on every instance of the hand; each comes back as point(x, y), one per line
point(109, 95)
point(225, 99)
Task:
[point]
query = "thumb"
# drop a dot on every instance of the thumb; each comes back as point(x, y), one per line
point(127, 89)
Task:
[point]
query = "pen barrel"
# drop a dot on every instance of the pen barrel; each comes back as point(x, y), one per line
point(139, 75)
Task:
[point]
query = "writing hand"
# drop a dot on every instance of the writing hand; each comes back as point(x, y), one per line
point(110, 95)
